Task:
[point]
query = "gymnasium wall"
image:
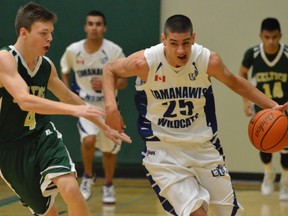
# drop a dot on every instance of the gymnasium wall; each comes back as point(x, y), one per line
point(134, 25)
point(229, 27)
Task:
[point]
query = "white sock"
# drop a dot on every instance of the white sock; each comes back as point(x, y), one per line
point(268, 168)
point(284, 176)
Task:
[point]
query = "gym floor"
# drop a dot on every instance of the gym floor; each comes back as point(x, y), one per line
point(135, 197)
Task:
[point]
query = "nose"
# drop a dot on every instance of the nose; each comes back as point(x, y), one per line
point(50, 37)
point(180, 50)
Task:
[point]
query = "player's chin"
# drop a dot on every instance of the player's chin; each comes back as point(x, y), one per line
point(182, 61)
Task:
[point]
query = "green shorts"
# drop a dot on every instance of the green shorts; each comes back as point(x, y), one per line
point(28, 168)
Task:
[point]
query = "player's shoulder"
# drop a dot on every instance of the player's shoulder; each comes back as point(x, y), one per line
point(253, 51)
point(75, 45)
point(158, 48)
point(110, 44)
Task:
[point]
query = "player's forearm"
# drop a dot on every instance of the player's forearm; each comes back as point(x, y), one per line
point(65, 79)
point(244, 88)
point(44, 106)
point(109, 87)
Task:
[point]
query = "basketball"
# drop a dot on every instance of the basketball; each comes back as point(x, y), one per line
point(267, 130)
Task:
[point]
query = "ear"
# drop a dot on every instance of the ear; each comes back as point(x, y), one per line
point(260, 35)
point(163, 38)
point(23, 32)
point(193, 37)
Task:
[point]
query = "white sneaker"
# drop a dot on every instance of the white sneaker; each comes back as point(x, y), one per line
point(283, 193)
point(85, 187)
point(267, 186)
point(108, 194)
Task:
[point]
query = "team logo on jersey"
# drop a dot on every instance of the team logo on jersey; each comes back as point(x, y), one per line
point(80, 59)
point(160, 78)
point(193, 76)
point(219, 171)
point(48, 132)
point(149, 152)
point(104, 60)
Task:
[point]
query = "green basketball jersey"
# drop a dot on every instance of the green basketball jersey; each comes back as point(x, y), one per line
point(269, 72)
point(16, 124)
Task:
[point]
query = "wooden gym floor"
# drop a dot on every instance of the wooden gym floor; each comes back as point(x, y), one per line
point(135, 197)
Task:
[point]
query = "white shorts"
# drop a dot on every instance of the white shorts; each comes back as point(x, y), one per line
point(187, 176)
point(87, 128)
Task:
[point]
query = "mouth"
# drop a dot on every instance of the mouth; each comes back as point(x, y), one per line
point(182, 57)
point(46, 48)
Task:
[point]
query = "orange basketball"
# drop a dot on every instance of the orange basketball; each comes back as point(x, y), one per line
point(267, 130)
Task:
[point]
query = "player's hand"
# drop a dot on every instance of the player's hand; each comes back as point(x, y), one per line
point(115, 121)
point(248, 108)
point(96, 83)
point(89, 111)
point(116, 137)
point(283, 108)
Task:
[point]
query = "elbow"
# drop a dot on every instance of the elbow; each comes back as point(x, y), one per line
point(122, 84)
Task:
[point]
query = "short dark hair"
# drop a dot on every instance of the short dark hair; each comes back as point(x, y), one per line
point(178, 24)
point(270, 24)
point(97, 13)
point(30, 13)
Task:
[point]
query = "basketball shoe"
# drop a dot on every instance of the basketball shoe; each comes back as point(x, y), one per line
point(267, 186)
point(85, 186)
point(108, 194)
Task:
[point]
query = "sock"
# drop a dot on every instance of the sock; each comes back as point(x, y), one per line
point(284, 176)
point(86, 176)
point(109, 184)
point(268, 168)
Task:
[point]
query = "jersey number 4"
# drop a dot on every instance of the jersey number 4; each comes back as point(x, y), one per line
point(30, 120)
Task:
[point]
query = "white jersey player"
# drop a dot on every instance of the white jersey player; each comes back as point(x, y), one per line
point(183, 158)
point(86, 59)
point(177, 112)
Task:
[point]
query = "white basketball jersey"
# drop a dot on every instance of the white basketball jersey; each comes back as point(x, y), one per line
point(88, 65)
point(176, 106)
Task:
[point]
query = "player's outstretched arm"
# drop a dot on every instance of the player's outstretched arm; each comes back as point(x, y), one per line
point(241, 86)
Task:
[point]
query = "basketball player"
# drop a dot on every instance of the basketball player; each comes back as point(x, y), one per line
point(34, 161)
point(86, 58)
point(183, 156)
point(269, 63)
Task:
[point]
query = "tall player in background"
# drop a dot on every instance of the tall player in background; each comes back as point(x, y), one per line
point(183, 156)
point(86, 58)
point(269, 73)
point(34, 161)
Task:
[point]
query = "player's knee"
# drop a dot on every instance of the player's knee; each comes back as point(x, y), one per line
point(69, 189)
point(199, 212)
point(266, 157)
point(89, 142)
